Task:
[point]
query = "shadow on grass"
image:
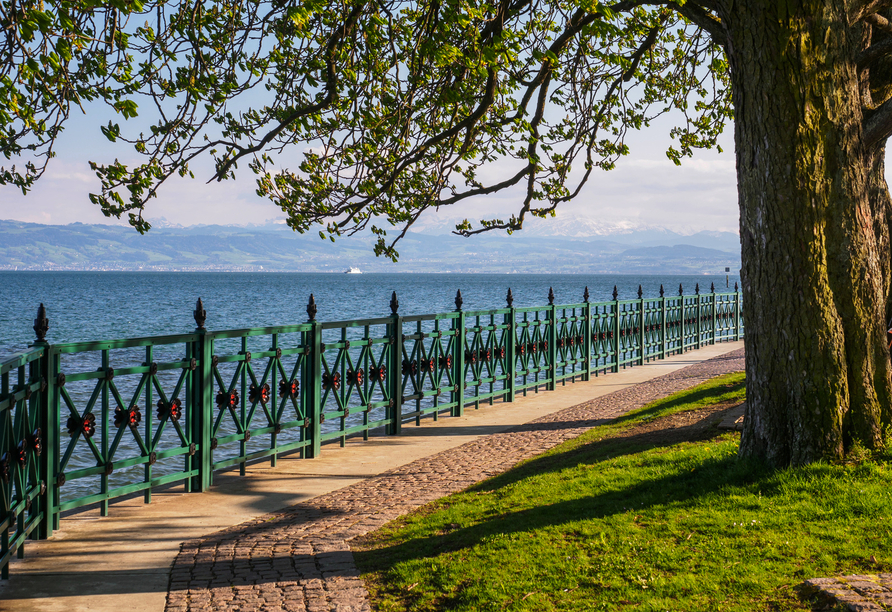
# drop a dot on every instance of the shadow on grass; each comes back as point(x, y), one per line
point(694, 398)
point(603, 450)
point(686, 487)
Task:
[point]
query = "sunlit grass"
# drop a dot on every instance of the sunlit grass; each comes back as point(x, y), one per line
point(605, 523)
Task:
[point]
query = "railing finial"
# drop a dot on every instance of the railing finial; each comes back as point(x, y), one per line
point(585, 295)
point(615, 293)
point(509, 298)
point(680, 289)
point(661, 290)
point(311, 308)
point(458, 300)
point(394, 303)
point(735, 286)
point(712, 288)
point(199, 314)
point(640, 292)
point(697, 289)
point(41, 323)
point(551, 296)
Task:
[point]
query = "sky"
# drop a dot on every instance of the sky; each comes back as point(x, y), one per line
point(645, 189)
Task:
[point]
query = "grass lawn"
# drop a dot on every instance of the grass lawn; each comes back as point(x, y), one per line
point(651, 512)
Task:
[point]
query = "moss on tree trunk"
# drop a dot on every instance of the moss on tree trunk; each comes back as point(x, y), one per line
point(815, 235)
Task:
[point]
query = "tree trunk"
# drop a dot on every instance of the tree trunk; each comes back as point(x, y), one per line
point(814, 226)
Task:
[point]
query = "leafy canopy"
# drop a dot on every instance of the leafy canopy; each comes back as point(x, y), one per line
point(360, 113)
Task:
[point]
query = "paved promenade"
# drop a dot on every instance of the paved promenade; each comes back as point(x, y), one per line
point(278, 539)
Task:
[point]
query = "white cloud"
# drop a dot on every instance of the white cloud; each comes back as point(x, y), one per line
point(76, 177)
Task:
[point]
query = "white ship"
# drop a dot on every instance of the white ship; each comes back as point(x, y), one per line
point(353, 271)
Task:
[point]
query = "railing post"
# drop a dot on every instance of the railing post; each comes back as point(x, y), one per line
point(4, 533)
point(663, 330)
point(552, 341)
point(681, 319)
point(510, 347)
point(712, 297)
point(103, 478)
point(587, 335)
point(458, 359)
point(736, 313)
point(699, 315)
point(642, 349)
point(615, 329)
point(396, 367)
point(48, 422)
point(55, 428)
point(312, 382)
point(274, 403)
point(202, 417)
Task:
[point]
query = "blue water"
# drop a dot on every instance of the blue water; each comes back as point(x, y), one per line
point(105, 305)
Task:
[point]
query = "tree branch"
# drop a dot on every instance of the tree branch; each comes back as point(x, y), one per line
point(703, 19)
point(878, 126)
point(874, 52)
point(879, 22)
point(331, 82)
point(861, 9)
point(516, 221)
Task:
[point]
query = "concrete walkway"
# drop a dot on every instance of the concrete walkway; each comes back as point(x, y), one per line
point(124, 561)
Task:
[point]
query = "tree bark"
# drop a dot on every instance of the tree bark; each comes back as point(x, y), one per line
point(814, 226)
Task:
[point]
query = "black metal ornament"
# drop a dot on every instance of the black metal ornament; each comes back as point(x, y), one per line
point(127, 416)
point(331, 381)
point(174, 409)
point(85, 425)
point(311, 308)
point(41, 323)
point(4, 467)
point(259, 394)
point(289, 388)
point(355, 377)
point(227, 399)
point(199, 314)
point(35, 442)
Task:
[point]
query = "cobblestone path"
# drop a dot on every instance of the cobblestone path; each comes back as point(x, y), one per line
point(299, 559)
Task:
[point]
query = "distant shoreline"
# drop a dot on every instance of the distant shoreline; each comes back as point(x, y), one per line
point(102, 248)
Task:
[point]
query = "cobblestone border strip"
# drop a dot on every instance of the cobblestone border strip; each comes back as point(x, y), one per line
point(855, 593)
point(299, 559)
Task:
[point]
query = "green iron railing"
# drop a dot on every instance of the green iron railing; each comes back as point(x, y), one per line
point(84, 423)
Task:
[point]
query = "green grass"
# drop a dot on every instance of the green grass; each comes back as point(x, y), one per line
point(603, 523)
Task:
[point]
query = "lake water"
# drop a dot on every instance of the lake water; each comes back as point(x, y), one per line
point(105, 305)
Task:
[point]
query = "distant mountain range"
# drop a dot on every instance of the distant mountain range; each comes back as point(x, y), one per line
point(626, 231)
point(274, 247)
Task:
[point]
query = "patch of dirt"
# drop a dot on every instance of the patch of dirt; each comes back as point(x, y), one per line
point(689, 426)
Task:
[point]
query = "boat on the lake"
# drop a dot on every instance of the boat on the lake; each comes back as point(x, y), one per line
point(353, 271)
